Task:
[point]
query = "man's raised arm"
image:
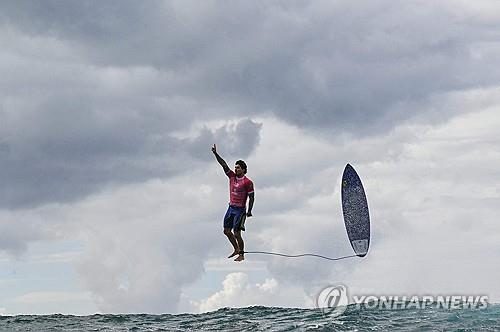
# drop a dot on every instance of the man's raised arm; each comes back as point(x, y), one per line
point(220, 160)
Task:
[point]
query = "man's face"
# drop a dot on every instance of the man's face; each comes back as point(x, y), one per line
point(238, 170)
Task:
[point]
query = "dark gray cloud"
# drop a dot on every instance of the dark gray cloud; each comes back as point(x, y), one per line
point(324, 64)
point(14, 237)
point(237, 140)
point(67, 164)
point(95, 89)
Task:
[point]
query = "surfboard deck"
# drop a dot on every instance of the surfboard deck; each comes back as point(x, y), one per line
point(355, 210)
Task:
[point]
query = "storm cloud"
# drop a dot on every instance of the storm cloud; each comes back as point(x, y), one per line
point(102, 102)
point(94, 89)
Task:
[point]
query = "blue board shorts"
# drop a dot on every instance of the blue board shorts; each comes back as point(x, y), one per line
point(235, 218)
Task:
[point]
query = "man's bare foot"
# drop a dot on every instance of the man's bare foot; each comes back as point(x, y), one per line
point(233, 254)
point(239, 258)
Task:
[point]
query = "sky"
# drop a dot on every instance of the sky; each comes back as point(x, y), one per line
point(112, 202)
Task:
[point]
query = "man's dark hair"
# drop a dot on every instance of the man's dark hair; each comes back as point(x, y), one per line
point(242, 165)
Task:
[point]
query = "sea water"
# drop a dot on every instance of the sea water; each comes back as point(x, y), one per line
point(269, 319)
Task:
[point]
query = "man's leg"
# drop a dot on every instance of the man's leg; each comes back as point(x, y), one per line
point(228, 225)
point(241, 245)
point(232, 239)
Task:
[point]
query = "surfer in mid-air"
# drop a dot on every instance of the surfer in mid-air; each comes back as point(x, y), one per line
point(240, 187)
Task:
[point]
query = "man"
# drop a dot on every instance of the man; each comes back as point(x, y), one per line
point(240, 187)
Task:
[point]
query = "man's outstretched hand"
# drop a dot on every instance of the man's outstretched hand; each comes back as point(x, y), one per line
point(214, 149)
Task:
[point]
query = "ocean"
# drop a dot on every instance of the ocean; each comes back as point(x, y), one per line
point(268, 319)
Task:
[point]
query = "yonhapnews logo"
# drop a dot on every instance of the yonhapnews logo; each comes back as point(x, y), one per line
point(333, 301)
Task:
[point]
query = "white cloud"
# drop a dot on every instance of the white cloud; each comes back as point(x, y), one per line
point(144, 243)
point(223, 264)
point(237, 291)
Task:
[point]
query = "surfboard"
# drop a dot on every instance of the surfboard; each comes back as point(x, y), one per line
point(355, 210)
